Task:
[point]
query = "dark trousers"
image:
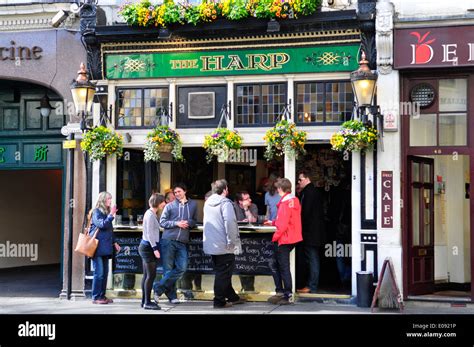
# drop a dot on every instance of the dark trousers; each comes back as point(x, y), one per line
point(282, 274)
point(301, 267)
point(247, 282)
point(314, 264)
point(223, 267)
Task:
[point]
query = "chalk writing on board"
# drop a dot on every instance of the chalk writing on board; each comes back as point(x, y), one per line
point(256, 259)
point(127, 260)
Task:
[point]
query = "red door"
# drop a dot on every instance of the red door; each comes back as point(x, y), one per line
point(420, 225)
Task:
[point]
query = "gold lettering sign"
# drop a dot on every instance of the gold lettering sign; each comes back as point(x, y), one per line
point(264, 62)
point(15, 52)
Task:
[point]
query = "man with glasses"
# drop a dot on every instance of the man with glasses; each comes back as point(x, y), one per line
point(246, 211)
point(312, 219)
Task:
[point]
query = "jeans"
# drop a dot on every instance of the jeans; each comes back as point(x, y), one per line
point(281, 273)
point(99, 282)
point(301, 267)
point(314, 264)
point(343, 267)
point(223, 291)
point(174, 255)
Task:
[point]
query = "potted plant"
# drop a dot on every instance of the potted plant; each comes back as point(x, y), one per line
point(220, 142)
point(284, 139)
point(162, 139)
point(102, 141)
point(354, 136)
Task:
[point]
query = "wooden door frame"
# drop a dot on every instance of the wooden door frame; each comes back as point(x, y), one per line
point(421, 219)
point(405, 77)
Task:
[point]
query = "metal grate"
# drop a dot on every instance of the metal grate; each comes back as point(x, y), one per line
point(423, 94)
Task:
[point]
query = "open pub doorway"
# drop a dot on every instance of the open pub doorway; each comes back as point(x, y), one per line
point(330, 173)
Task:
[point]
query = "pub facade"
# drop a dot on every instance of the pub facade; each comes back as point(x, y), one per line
point(244, 75)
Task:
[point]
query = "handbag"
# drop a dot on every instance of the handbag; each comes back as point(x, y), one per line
point(87, 244)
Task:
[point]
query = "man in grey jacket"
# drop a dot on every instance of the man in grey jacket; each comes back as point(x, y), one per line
point(177, 218)
point(222, 241)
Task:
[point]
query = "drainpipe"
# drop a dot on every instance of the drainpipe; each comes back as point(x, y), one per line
point(71, 216)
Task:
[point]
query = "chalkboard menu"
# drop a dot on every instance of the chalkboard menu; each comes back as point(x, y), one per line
point(256, 258)
point(128, 260)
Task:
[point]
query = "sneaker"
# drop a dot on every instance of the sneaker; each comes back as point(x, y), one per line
point(156, 297)
point(226, 305)
point(174, 301)
point(189, 295)
point(109, 301)
point(275, 298)
point(151, 306)
point(284, 301)
point(100, 302)
point(238, 301)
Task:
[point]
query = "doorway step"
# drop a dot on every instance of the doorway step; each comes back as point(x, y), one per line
point(342, 299)
point(440, 301)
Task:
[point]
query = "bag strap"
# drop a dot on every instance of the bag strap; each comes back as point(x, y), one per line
point(89, 222)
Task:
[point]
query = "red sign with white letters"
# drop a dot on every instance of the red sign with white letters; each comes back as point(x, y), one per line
point(387, 199)
point(434, 47)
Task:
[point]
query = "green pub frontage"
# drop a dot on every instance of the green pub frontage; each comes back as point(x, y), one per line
point(240, 76)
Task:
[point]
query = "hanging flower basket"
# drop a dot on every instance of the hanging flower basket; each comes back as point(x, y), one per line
point(162, 139)
point(284, 139)
point(147, 14)
point(165, 148)
point(219, 143)
point(100, 142)
point(355, 136)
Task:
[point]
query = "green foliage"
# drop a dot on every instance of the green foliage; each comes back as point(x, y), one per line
point(146, 14)
point(100, 142)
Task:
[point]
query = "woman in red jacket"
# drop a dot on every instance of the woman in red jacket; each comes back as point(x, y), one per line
point(287, 235)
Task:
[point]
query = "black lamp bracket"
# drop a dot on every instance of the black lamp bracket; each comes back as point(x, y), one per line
point(285, 112)
point(226, 113)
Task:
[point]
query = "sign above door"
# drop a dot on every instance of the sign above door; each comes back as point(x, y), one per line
point(434, 47)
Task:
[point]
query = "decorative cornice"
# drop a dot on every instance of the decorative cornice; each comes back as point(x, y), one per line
point(32, 17)
point(276, 40)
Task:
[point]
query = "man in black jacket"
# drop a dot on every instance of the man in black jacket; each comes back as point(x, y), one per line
point(312, 219)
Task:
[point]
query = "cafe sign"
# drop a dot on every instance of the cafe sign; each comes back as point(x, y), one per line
point(232, 62)
point(434, 47)
point(387, 199)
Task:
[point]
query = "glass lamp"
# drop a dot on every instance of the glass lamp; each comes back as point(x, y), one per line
point(363, 83)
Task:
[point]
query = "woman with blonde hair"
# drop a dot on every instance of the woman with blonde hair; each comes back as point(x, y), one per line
point(102, 217)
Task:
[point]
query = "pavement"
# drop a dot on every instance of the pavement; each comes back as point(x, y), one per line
point(41, 305)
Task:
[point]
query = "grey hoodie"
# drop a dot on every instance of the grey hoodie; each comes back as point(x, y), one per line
point(175, 212)
point(221, 232)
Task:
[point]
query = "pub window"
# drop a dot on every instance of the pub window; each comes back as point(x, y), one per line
point(131, 190)
point(444, 123)
point(259, 104)
point(324, 102)
point(142, 107)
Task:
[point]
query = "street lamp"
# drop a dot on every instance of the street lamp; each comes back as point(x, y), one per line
point(45, 107)
point(83, 92)
point(363, 83)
